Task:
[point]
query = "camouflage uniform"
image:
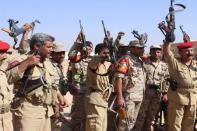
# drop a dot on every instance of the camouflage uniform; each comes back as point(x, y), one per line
point(182, 101)
point(60, 78)
point(98, 85)
point(77, 73)
point(131, 70)
point(156, 73)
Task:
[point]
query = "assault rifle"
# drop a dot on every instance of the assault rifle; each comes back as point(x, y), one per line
point(82, 38)
point(15, 31)
point(186, 37)
point(168, 30)
point(108, 42)
point(142, 38)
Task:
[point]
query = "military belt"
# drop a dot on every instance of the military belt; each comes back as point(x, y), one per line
point(105, 94)
point(32, 100)
point(4, 109)
point(155, 87)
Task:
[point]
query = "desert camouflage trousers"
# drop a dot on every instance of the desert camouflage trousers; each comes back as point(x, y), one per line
point(149, 109)
point(133, 108)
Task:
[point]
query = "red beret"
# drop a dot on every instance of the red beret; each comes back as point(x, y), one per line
point(4, 46)
point(185, 45)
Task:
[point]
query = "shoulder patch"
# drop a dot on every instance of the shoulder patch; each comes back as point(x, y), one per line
point(122, 65)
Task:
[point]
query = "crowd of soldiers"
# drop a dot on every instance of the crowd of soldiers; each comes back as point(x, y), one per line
point(129, 93)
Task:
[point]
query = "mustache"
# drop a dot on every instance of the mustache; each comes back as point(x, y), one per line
point(188, 55)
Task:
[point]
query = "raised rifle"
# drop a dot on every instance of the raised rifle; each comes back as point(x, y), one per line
point(168, 30)
point(186, 37)
point(108, 42)
point(142, 38)
point(15, 31)
point(83, 39)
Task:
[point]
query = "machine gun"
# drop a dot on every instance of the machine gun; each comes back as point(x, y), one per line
point(108, 42)
point(168, 30)
point(15, 31)
point(186, 37)
point(142, 38)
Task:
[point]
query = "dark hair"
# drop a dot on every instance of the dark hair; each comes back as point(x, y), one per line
point(99, 47)
point(89, 43)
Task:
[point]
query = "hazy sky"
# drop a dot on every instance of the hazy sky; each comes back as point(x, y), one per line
point(60, 18)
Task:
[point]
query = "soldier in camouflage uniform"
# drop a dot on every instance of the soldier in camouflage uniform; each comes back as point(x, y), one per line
point(99, 90)
point(33, 77)
point(130, 84)
point(156, 75)
point(60, 66)
point(6, 91)
point(77, 72)
point(112, 112)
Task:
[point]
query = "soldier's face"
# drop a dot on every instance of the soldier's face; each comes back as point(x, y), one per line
point(89, 50)
point(137, 51)
point(187, 53)
point(46, 49)
point(155, 54)
point(105, 52)
point(58, 56)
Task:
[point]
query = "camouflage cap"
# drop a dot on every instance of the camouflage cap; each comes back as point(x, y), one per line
point(136, 43)
point(155, 47)
point(58, 47)
point(121, 44)
point(41, 38)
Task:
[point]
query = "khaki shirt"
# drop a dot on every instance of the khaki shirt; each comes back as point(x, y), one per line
point(46, 94)
point(156, 74)
point(131, 69)
point(6, 90)
point(186, 77)
point(97, 81)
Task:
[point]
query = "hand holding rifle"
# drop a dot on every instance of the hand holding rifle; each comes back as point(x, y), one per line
point(168, 30)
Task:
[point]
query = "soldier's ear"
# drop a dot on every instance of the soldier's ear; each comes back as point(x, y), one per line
point(36, 46)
